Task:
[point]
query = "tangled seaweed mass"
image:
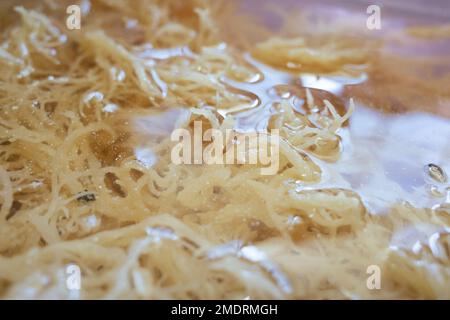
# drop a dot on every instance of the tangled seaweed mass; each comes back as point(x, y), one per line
point(86, 176)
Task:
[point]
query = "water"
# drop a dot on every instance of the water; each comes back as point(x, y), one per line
point(384, 150)
point(387, 158)
point(436, 173)
point(401, 123)
point(383, 154)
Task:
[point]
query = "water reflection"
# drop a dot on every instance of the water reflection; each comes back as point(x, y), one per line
point(334, 84)
point(383, 156)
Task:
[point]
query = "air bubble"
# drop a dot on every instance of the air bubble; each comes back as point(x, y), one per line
point(293, 220)
point(436, 173)
point(110, 108)
point(95, 95)
point(435, 192)
point(36, 104)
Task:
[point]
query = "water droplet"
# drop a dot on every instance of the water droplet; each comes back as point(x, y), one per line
point(435, 192)
point(293, 220)
point(436, 173)
point(95, 95)
point(36, 104)
point(110, 107)
point(131, 23)
point(92, 221)
point(36, 184)
point(62, 38)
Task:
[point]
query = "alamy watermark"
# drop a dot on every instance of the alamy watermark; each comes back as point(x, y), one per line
point(73, 21)
point(373, 22)
point(73, 277)
point(374, 280)
point(226, 147)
